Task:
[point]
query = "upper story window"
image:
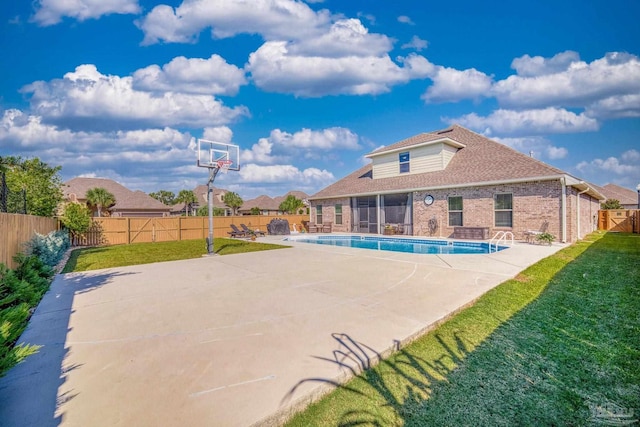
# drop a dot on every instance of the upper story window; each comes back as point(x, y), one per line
point(503, 206)
point(403, 158)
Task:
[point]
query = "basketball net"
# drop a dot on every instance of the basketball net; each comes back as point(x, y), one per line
point(223, 165)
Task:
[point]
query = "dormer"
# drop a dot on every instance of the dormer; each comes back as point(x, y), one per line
point(421, 157)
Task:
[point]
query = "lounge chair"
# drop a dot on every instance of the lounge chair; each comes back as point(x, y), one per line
point(249, 231)
point(235, 232)
point(530, 235)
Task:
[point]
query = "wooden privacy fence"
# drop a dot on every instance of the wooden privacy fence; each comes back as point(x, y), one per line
point(116, 231)
point(621, 220)
point(17, 229)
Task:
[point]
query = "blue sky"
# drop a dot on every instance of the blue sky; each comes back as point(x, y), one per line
point(121, 89)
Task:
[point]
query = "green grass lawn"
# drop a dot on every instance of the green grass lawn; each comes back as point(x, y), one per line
point(144, 253)
point(552, 347)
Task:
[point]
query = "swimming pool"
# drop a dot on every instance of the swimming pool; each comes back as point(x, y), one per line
point(399, 244)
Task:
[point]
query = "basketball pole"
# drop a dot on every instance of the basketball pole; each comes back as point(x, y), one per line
point(212, 176)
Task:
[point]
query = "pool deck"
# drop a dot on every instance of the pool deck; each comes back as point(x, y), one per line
point(231, 340)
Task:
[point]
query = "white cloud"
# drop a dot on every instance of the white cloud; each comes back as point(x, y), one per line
point(451, 85)
point(275, 69)
point(528, 122)
point(615, 107)
point(273, 19)
point(405, 20)
point(191, 75)
point(218, 134)
point(555, 153)
point(252, 173)
point(579, 84)
point(309, 144)
point(623, 170)
point(528, 66)
point(416, 43)
point(51, 12)
point(346, 37)
point(88, 99)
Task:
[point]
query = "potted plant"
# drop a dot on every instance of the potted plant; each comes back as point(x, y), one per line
point(545, 238)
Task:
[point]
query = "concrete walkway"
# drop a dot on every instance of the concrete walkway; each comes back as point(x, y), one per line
point(225, 340)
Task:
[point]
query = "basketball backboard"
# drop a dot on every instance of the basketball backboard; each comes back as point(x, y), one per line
point(213, 154)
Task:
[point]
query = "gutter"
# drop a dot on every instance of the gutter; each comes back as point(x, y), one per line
point(563, 208)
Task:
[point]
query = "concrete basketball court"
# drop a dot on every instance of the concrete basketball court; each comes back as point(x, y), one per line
point(225, 340)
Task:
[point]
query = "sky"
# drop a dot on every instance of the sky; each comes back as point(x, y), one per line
point(123, 89)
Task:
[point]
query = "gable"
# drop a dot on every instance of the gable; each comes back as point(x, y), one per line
point(426, 157)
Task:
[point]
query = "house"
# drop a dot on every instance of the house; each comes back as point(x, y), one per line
point(455, 180)
point(271, 206)
point(128, 203)
point(202, 199)
point(629, 199)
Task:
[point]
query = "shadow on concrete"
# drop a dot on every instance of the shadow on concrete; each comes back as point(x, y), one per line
point(355, 359)
point(29, 391)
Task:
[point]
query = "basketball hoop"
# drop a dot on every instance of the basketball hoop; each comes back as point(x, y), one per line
point(224, 165)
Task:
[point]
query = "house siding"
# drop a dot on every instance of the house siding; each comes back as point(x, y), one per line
point(423, 159)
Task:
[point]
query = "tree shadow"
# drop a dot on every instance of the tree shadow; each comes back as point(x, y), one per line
point(29, 391)
point(355, 359)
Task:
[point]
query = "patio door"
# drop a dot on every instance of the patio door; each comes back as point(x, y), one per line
point(365, 214)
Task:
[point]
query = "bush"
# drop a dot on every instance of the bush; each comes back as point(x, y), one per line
point(20, 291)
point(49, 248)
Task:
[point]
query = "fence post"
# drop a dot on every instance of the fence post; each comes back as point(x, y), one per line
point(128, 231)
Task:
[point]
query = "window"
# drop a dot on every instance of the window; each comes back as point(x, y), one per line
point(338, 219)
point(319, 214)
point(403, 158)
point(455, 211)
point(504, 210)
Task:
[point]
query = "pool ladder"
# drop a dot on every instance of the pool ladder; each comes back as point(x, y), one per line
point(499, 237)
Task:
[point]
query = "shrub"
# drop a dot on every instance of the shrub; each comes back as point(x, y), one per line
point(545, 238)
point(20, 291)
point(77, 218)
point(49, 248)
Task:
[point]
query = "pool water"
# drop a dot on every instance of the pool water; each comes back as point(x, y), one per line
point(395, 244)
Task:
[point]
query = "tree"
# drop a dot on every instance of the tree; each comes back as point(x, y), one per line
point(233, 200)
point(255, 210)
point(204, 211)
point(291, 204)
point(100, 198)
point(187, 197)
point(34, 187)
point(611, 204)
point(164, 196)
point(76, 218)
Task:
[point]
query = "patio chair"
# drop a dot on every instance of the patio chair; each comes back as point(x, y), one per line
point(249, 231)
point(530, 235)
point(326, 227)
point(313, 228)
point(236, 232)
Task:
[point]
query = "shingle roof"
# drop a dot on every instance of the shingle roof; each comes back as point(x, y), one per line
point(624, 195)
point(273, 204)
point(481, 160)
point(125, 198)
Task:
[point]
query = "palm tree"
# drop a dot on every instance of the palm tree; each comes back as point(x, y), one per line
point(100, 198)
point(188, 198)
point(233, 200)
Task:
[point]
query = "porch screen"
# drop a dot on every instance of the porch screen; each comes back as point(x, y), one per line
point(396, 212)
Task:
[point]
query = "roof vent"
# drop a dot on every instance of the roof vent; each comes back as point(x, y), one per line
point(445, 131)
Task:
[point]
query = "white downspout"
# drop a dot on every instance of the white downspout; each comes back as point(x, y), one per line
point(582, 192)
point(563, 208)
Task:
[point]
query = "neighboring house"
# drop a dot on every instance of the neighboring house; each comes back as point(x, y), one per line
point(271, 206)
point(431, 183)
point(128, 203)
point(629, 199)
point(201, 195)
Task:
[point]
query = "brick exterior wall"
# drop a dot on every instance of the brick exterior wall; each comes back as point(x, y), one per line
point(329, 213)
point(533, 204)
